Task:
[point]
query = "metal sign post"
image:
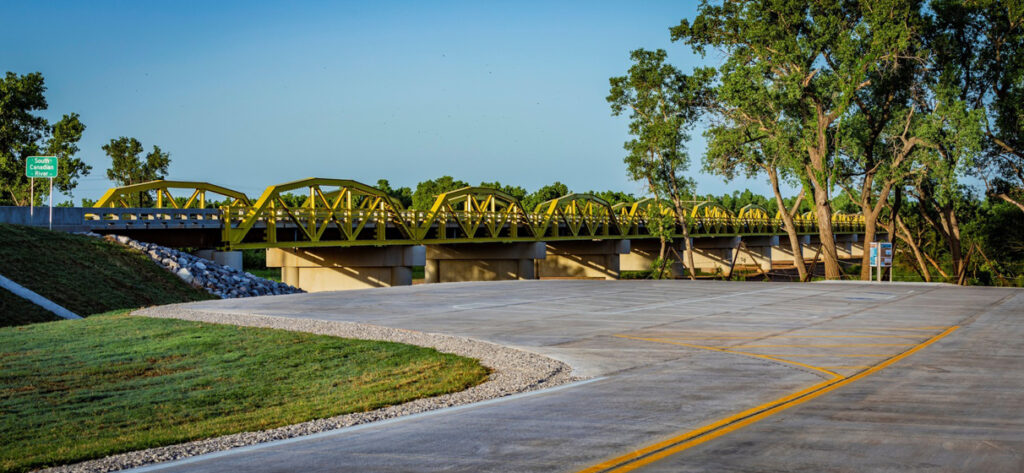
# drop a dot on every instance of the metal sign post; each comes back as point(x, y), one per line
point(881, 257)
point(40, 166)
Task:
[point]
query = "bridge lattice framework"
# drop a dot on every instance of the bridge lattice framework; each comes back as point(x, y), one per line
point(347, 213)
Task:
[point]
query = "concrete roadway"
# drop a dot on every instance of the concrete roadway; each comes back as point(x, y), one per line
point(692, 376)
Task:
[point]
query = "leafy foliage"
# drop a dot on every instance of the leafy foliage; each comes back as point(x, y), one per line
point(24, 134)
point(427, 191)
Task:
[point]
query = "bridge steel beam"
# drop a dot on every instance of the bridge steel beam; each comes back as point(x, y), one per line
point(592, 259)
point(336, 268)
point(481, 261)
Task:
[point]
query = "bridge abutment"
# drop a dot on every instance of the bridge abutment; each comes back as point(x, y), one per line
point(593, 259)
point(481, 261)
point(337, 268)
point(232, 259)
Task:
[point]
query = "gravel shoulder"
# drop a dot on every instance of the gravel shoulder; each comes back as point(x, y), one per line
point(513, 371)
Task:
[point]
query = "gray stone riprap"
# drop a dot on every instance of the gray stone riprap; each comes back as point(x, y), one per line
point(512, 371)
point(222, 281)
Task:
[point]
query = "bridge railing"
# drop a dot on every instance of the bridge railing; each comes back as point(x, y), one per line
point(150, 218)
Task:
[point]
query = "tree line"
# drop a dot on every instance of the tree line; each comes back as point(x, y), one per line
point(24, 134)
point(895, 106)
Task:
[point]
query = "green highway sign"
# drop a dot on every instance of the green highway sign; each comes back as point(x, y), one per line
point(41, 166)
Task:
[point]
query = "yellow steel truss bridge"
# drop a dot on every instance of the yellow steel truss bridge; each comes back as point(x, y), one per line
point(343, 213)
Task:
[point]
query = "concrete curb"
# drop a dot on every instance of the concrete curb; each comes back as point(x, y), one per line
point(36, 299)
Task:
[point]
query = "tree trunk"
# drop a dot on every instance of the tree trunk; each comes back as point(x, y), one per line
point(828, 240)
point(677, 204)
point(787, 221)
point(662, 257)
point(904, 234)
point(870, 229)
point(947, 217)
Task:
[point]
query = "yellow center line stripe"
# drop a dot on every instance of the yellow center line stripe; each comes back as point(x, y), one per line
point(793, 336)
point(755, 355)
point(827, 355)
point(657, 451)
point(838, 345)
point(847, 367)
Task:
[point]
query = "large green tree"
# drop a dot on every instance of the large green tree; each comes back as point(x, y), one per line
point(24, 134)
point(402, 195)
point(544, 194)
point(427, 191)
point(663, 105)
point(128, 165)
point(877, 139)
point(979, 46)
point(807, 61)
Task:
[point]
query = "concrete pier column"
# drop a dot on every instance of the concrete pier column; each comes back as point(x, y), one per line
point(756, 253)
point(592, 259)
point(643, 253)
point(332, 269)
point(844, 246)
point(857, 249)
point(481, 261)
point(714, 254)
point(782, 252)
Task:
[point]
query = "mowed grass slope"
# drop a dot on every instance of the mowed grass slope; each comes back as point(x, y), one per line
point(85, 275)
point(15, 310)
point(82, 389)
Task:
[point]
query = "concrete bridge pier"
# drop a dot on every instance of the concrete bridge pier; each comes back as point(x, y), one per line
point(592, 259)
point(844, 246)
point(643, 253)
point(756, 252)
point(714, 254)
point(782, 252)
point(481, 261)
point(336, 268)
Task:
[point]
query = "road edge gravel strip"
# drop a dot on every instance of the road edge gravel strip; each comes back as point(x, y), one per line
point(513, 371)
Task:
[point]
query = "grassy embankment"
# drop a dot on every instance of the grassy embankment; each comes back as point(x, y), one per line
point(85, 275)
point(82, 389)
point(74, 390)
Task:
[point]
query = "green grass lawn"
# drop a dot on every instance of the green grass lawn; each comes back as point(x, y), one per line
point(273, 274)
point(85, 275)
point(82, 389)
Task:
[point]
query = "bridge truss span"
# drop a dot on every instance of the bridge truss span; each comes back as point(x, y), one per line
point(320, 212)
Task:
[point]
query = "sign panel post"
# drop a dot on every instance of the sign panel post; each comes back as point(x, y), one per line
point(42, 167)
point(881, 257)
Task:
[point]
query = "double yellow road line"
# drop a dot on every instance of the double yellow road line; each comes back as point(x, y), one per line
point(678, 443)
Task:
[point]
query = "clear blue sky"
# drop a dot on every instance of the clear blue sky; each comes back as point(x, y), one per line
point(249, 94)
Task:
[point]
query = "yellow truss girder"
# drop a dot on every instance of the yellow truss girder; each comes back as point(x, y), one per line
point(350, 209)
point(342, 212)
point(471, 209)
point(117, 196)
point(582, 215)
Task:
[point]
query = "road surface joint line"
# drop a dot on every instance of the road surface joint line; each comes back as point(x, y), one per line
point(356, 428)
point(665, 448)
point(723, 350)
point(689, 301)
